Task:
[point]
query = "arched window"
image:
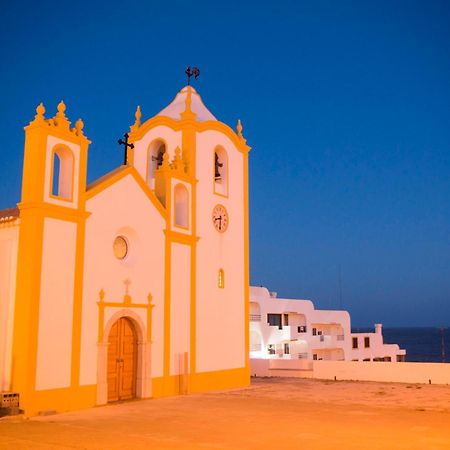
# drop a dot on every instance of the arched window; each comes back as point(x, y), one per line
point(155, 154)
point(61, 183)
point(220, 171)
point(181, 206)
point(221, 279)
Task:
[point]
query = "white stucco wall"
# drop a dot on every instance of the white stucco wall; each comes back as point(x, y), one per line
point(54, 353)
point(8, 266)
point(333, 339)
point(219, 347)
point(122, 209)
point(180, 295)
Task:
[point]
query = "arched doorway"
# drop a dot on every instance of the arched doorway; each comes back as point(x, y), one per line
point(122, 360)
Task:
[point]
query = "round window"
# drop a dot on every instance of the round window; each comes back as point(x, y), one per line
point(120, 247)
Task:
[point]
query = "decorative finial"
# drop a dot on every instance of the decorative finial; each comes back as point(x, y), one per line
point(60, 120)
point(239, 131)
point(39, 117)
point(188, 113)
point(101, 294)
point(79, 125)
point(137, 122)
point(150, 298)
point(165, 162)
point(178, 163)
point(138, 115)
point(40, 110)
point(61, 109)
point(239, 128)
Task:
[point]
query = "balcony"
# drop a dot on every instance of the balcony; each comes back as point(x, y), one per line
point(255, 317)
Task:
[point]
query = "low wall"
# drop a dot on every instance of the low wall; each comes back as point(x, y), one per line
point(280, 367)
point(397, 372)
point(401, 372)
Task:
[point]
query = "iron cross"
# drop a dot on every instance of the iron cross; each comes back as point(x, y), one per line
point(126, 145)
point(192, 71)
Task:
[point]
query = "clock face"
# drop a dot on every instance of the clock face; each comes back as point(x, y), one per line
point(120, 247)
point(220, 218)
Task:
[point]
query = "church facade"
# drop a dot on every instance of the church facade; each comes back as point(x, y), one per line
point(136, 285)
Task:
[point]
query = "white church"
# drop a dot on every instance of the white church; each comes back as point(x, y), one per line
point(114, 290)
point(137, 285)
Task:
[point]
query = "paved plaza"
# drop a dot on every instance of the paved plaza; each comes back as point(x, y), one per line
point(271, 413)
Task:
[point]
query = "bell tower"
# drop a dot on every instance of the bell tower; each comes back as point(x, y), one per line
point(50, 256)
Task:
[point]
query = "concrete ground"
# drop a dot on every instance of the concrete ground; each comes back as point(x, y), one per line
point(272, 413)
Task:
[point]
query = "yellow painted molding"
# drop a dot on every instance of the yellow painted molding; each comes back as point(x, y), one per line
point(53, 211)
point(181, 238)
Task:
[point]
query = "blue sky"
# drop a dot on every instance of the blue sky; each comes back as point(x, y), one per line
point(346, 106)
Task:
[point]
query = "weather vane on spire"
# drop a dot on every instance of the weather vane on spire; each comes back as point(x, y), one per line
point(192, 71)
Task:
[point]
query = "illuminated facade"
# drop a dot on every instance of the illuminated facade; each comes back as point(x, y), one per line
point(294, 329)
point(114, 290)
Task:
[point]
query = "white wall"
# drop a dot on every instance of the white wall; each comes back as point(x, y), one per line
point(403, 372)
point(122, 209)
point(8, 267)
point(54, 353)
point(180, 305)
point(220, 312)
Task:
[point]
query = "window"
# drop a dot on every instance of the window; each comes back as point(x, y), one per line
point(271, 349)
point(221, 279)
point(155, 155)
point(355, 342)
point(366, 342)
point(314, 331)
point(301, 329)
point(181, 206)
point(220, 171)
point(286, 319)
point(120, 247)
point(274, 320)
point(315, 356)
point(286, 349)
point(62, 173)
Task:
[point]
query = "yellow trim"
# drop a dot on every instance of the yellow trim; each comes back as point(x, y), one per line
point(126, 303)
point(201, 382)
point(221, 279)
point(227, 172)
point(246, 266)
point(52, 170)
point(53, 211)
point(178, 125)
point(188, 207)
point(26, 314)
point(62, 400)
point(77, 305)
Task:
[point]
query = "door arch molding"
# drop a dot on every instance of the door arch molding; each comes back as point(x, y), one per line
point(143, 369)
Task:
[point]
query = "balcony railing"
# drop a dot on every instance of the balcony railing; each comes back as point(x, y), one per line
point(255, 348)
point(340, 337)
point(255, 317)
point(302, 355)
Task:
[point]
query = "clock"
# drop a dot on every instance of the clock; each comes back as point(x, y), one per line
point(220, 218)
point(120, 247)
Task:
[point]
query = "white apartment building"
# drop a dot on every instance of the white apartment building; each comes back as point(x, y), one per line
point(294, 329)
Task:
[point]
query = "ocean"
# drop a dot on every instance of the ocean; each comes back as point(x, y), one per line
point(422, 344)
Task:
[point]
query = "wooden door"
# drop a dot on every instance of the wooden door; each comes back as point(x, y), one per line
point(122, 358)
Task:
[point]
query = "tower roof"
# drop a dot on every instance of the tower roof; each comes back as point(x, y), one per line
point(179, 104)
